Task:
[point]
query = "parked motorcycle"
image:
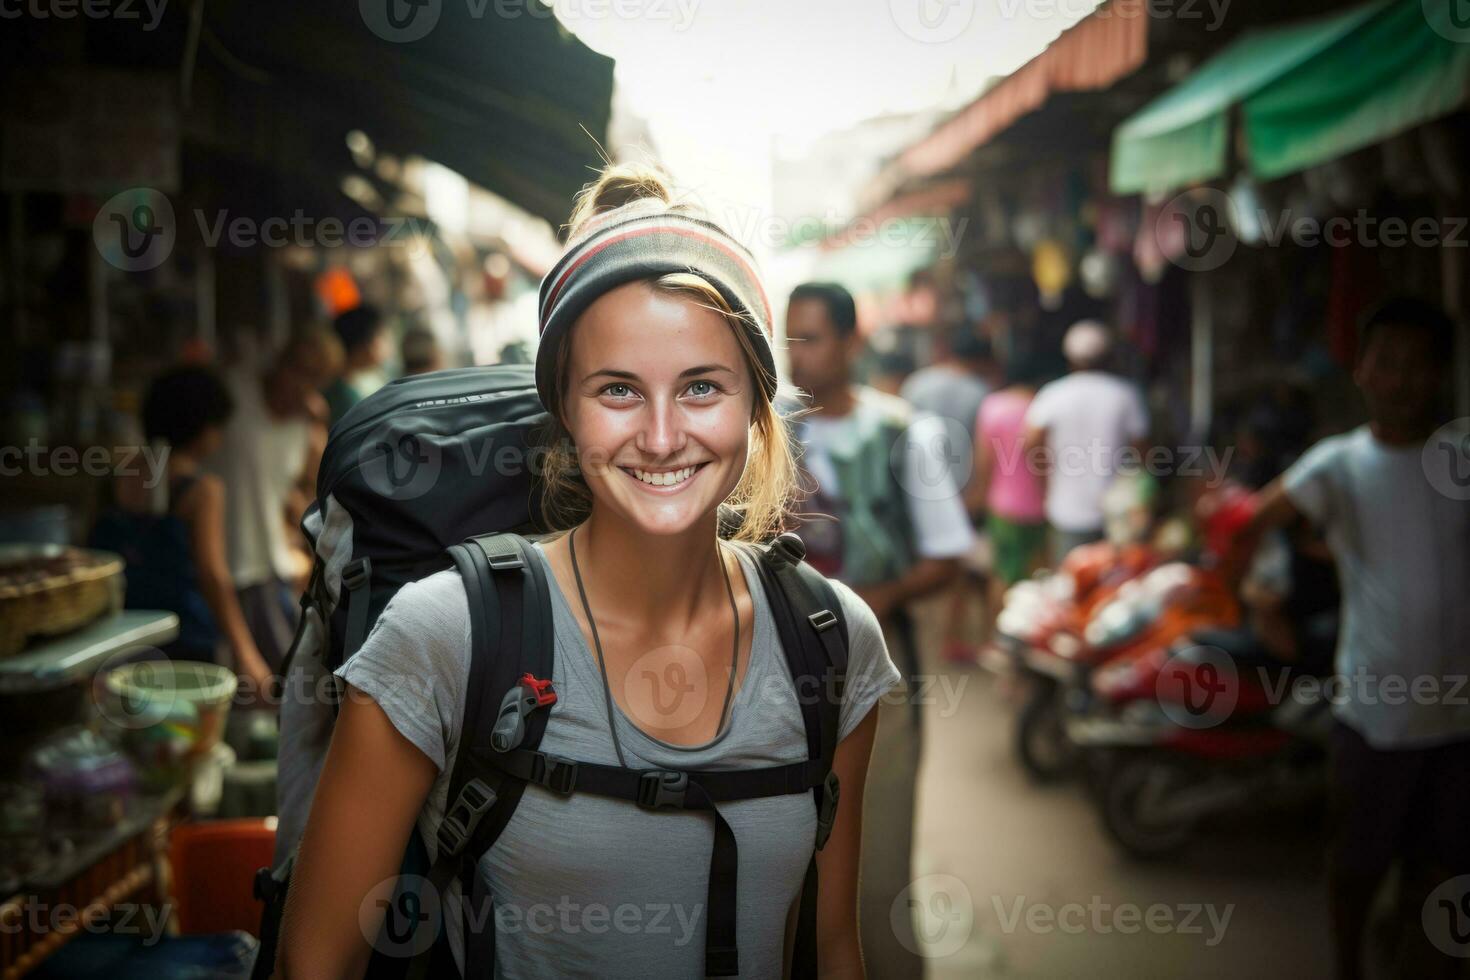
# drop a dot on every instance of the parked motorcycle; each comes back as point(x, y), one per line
point(1208, 724)
point(1108, 602)
point(1041, 629)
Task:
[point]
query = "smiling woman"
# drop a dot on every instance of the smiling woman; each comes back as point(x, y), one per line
point(676, 315)
point(678, 766)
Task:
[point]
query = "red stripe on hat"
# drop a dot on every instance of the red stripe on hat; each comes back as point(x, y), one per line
point(653, 229)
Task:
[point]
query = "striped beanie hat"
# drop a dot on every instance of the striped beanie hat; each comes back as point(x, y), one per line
point(646, 239)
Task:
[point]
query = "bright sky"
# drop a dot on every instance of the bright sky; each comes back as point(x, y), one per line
point(721, 81)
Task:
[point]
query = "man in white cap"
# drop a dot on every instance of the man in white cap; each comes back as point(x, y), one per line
point(1084, 420)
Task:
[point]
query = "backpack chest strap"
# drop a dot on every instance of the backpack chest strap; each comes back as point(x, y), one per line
point(669, 789)
point(656, 789)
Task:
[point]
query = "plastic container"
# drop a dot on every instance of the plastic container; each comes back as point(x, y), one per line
point(170, 714)
point(87, 783)
point(214, 865)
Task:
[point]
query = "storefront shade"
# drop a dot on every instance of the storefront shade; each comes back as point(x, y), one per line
point(882, 262)
point(1307, 93)
point(1401, 70)
point(506, 97)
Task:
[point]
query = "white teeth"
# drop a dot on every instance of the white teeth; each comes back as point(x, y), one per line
point(665, 479)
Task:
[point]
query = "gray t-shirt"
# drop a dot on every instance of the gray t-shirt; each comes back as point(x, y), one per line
point(587, 886)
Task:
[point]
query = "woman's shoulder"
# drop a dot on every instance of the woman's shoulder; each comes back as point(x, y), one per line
point(871, 672)
point(856, 613)
point(431, 611)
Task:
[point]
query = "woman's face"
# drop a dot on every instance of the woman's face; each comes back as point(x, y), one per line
point(658, 401)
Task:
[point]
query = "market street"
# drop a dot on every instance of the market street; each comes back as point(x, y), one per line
point(1052, 897)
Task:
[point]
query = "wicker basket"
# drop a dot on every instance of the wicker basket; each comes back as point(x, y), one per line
point(46, 590)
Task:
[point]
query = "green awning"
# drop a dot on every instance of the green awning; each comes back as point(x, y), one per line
point(1307, 92)
point(883, 263)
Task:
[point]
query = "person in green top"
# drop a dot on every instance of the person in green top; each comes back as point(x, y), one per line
point(364, 339)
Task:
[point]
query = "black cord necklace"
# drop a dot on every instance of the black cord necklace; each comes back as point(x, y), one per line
point(602, 663)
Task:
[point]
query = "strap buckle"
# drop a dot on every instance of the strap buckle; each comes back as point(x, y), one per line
point(557, 773)
point(526, 696)
point(827, 809)
point(540, 691)
point(356, 574)
point(822, 620)
point(662, 789)
point(504, 563)
point(502, 559)
point(265, 887)
point(464, 816)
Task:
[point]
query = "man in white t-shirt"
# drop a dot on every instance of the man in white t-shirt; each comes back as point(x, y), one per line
point(900, 526)
point(268, 460)
point(1393, 497)
point(1084, 420)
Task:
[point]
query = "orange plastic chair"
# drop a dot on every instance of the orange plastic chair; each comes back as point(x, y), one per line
point(214, 865)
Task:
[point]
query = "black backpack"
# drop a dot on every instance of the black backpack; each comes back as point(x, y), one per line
point(391, 508)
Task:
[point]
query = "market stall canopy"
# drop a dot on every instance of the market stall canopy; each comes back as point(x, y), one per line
point(1307, 93)
point(878, 260)
point(514, 103)
point(1108, 44)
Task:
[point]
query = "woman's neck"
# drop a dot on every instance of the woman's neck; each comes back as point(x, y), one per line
point(649, 576)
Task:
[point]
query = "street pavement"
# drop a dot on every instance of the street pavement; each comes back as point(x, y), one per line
point(1019, 881)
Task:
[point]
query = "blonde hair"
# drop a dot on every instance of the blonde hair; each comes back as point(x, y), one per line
point(760, 499)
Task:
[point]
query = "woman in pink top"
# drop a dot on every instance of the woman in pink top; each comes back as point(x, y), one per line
point(1004, 487)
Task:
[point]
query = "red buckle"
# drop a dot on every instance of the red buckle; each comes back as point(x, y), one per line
point(542, 690)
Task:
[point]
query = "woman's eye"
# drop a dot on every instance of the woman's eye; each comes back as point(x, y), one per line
point(702, 389)
point(618, 391)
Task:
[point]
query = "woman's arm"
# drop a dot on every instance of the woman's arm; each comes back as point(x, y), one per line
point(204, 511)
point(372, 787)
point(839, 954)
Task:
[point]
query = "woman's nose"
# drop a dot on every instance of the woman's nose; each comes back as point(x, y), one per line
point(661, 434)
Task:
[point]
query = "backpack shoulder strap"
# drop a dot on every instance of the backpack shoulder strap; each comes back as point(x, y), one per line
point(814, 637)
point(511, 636)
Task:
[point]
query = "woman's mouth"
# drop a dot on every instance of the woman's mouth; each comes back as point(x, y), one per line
point(663, 479)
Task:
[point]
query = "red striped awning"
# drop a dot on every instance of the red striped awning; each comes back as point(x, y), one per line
point(1104, 46)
